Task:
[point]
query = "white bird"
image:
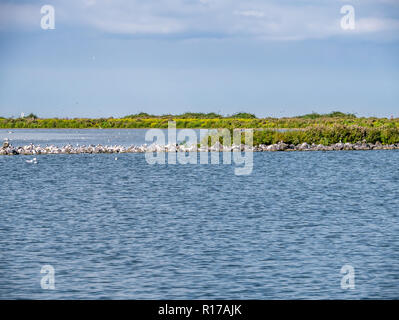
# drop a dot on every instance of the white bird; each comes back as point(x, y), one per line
point(116, 158)
point(34, 160)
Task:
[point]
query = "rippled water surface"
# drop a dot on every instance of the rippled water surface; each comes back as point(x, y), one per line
point(62, 137)
point(126, 229)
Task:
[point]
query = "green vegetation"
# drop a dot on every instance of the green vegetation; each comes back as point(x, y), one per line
point(311, 128)
point(192, 115)
point(243, 115)
point(334, 114)
point(186, 115)
point(201, 120)
point(328, 135)
point(31, 116)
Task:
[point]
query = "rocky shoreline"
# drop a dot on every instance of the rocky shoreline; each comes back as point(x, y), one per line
point(8, 149)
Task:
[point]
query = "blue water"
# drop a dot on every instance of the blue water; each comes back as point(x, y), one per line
point(62, 137)
point(124, 229)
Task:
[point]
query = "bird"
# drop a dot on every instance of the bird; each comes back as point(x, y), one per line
point(34, 160)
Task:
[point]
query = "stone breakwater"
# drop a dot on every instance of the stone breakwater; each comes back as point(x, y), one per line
point(8, 149)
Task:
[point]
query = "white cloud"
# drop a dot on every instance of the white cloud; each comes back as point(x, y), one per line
point(366, 25)
point(275, 20)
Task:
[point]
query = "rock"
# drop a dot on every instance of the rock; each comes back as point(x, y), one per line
point(282, 146)
point(272, 147)
point(235, 148)
point(338, 146)
point(348, 146)
point(217, 146)
point(303, 146)
point(378, 146)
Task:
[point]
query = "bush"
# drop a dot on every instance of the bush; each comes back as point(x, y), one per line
point(243, 115)
point(328, 135)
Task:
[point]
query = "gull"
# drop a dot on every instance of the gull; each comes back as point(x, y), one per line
point(34, 160)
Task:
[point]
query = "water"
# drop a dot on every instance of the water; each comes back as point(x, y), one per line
point(129, 230)
point(62, 137)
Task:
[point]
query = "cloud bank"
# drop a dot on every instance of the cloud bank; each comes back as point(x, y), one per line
point(271, 20)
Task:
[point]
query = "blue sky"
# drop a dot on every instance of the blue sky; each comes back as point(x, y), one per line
point(271, 58)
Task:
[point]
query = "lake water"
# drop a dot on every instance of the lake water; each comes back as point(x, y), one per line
point(62, 137)
point(129, 230)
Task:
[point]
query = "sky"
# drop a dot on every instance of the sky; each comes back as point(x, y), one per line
point(271, 58)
